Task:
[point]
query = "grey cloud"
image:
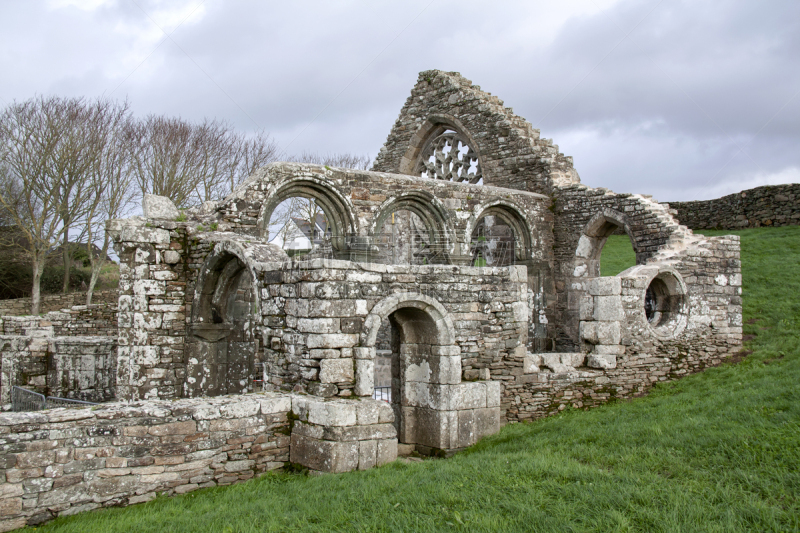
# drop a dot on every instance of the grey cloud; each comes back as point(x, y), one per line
point(662, 113)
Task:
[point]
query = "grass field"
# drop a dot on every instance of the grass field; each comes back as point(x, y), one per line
point(716, 451)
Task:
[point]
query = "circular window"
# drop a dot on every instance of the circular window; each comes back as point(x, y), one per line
point(665, 304)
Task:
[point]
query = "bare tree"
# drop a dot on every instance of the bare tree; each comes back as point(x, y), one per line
point(343, 160)
point(30, 133)
point(111, 178)
point(83, 137)
point(193, 163)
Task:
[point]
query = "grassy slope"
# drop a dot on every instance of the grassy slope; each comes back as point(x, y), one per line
point(716, 451)
point(617, 255)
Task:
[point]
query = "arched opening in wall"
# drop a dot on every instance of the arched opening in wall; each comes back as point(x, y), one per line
point(221, 345)
point(411, 229)
point(308, 217)
point(448, 155)
point(382, 378)
point(412, 334)
point(605, 241)
point(300, 226)
point(500, 237)
point(405, 239)
point(617, 253)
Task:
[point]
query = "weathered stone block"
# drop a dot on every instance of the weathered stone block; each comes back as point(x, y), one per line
point(365, 376)
point(608, 308)
point(336, 370)
point(605, 286)
point(318, 325)
point(531, 362)
point(324, 456)
point(387, 451)
point(602, 361)
point(600, 332)
point(332, 340)
point(614, 349)
point(367, 454)
point(154, 206)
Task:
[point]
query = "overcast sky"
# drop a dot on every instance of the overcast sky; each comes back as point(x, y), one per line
point(682, 100)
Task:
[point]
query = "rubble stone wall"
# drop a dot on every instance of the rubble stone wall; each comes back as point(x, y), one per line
point(64, 461)
point(623, 354)
point(770, 205)
point(316, 318)
point(55, 302)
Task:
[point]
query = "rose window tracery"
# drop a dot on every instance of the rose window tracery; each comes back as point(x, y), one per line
point(448, 156)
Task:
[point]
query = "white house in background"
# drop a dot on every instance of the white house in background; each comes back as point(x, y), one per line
point(299, 236)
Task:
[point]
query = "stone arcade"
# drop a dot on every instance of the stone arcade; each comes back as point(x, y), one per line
point(292, 347)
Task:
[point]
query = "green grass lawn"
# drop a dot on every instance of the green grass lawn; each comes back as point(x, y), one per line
point(716, 451)
point(617, 255)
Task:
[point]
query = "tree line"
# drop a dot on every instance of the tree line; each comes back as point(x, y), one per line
point(69, 164)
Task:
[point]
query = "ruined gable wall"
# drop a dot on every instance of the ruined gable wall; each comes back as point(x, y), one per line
point(771, 205)
point(512, 154)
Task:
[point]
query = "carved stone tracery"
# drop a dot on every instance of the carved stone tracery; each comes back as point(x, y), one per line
point(449, 156)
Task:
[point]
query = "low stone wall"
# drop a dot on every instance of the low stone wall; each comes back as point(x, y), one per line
point(64, 461)
point(81, 368)
point(770, 205)
point(79, 320)
point(55, 302)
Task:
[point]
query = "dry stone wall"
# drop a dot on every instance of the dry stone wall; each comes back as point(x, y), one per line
point(770, 205)
point(55, 302)
point(64, 461)
point(96, 320)
point(81, 368)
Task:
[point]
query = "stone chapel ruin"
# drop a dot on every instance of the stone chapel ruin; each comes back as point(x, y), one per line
point(232, 358)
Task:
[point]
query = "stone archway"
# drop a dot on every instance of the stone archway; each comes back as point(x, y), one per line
point(437, 243)
point(594, 237)
point(517, 245)
point(221, 342)
point(337, 209)
point(434, 410)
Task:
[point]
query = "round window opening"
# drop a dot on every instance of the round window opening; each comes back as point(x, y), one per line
point(664, 304)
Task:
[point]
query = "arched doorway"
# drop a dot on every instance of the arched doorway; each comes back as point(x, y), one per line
point(221, 345)
point(424, 369)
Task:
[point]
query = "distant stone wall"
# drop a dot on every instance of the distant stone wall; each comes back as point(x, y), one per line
point(79, 320)
point(55, 302)
point(64, 461)
point(771, 205)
